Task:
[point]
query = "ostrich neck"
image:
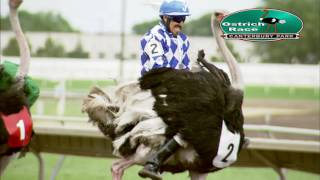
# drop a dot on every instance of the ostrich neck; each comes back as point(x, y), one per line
point(22, 42)
point(236, 76)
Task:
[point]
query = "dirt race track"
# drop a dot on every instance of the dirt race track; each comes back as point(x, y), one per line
point(288, 113)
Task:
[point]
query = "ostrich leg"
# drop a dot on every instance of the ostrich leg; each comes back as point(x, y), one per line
point(4, 162)
point(268, 27)
point(197, 176)
point(119, 166)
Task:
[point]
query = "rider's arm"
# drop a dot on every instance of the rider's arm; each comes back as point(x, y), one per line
point(185, 59)
point(152, 54)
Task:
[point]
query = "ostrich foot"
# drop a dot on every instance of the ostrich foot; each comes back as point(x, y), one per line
point(118, 168)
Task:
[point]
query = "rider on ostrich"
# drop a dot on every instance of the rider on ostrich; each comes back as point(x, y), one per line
point(201, 106)
point(166, 46)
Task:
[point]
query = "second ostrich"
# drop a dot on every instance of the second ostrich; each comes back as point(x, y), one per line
point(17, 93)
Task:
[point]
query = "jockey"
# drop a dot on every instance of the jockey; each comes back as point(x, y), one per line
point(166, 46)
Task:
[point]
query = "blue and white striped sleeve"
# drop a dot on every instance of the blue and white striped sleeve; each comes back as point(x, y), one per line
point(185, 59)
point(152, 56)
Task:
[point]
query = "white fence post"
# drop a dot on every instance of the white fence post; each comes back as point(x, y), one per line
point(60, 92)
point(40, 107)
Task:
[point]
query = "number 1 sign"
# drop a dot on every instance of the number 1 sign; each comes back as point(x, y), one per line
point(19, 128)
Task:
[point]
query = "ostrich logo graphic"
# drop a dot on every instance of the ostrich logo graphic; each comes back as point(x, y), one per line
point(271, 21)
point(261, 25)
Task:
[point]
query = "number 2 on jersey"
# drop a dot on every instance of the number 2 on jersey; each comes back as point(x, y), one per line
point(154, 46)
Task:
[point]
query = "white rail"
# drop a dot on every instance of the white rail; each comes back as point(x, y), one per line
point(284, 145)
point(280, 129)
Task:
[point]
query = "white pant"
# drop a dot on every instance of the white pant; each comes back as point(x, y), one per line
point(178, 138)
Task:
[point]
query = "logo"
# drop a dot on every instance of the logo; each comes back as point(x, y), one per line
point(261, 25)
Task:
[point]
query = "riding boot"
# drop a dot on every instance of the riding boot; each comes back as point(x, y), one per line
point(151, 168)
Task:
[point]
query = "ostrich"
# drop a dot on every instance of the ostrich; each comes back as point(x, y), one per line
point(271, 21)
point(17, 94)
point(202, 106)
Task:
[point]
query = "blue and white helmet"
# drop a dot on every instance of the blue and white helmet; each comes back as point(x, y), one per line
point(174, 8)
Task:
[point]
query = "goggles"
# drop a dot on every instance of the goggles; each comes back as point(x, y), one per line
point(177, 19)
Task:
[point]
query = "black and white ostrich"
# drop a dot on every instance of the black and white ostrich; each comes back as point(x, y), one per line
point(271, 21)
point(13, 99)
point(141, 116)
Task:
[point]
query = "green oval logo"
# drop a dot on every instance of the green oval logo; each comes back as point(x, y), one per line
point(261, 25)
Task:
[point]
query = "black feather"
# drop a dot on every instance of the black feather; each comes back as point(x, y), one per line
point(12, 99)
point(126, 148)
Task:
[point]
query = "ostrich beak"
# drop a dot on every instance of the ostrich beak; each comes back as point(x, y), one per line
point(219, 15)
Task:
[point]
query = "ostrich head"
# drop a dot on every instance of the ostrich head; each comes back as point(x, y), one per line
point(220, 14)
point(14, 4)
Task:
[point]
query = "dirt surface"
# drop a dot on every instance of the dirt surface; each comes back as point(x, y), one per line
point(288, 113)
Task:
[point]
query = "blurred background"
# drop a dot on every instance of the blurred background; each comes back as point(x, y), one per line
point(76, 44)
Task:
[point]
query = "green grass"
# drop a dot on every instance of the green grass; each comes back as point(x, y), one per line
point(85, 85)
point(84, 168)
point(287, 93)
point(73, 85)
point(73, 107)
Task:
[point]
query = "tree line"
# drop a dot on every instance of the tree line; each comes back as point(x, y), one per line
point(42, 21)
point(50, 49)
point(304, 50)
